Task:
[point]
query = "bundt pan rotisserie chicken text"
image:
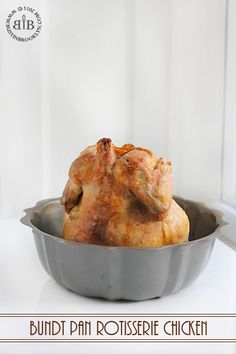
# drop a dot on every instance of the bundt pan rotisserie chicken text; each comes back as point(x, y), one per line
point(122, 197)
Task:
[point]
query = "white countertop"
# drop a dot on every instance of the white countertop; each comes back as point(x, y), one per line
point(26, 287)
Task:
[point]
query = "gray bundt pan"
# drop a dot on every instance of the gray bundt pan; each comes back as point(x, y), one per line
point(121, 272)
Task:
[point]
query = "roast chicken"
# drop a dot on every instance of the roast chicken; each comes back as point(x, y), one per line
point(122, 196)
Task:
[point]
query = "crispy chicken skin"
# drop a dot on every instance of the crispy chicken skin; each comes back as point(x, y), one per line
point(122, 197)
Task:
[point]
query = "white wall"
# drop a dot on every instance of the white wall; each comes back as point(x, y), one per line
point(197, 96)
point(86, 79)
point(20, 115)
point(179, 89)
point(61, 92)
point(229, 157)
point(144, 71)
point(152, 73)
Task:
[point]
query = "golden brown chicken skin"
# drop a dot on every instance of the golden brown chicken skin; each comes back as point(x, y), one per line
point(122, 197)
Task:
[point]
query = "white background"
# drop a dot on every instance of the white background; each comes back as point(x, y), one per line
point(148, 72)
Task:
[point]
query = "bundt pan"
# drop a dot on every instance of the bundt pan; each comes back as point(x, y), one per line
point(121, 272)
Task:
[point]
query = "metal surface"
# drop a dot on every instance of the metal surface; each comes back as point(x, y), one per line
point(121, 272)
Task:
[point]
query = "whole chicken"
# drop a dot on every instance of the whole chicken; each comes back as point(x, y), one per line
point(122, 197)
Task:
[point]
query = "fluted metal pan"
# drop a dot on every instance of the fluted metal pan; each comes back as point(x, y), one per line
point(122, 272)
